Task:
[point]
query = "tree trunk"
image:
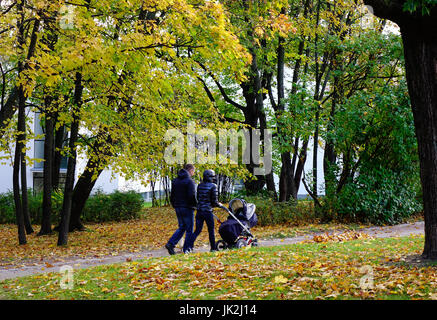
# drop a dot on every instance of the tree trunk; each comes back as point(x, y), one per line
point(286, 178)
point(15, 177)
point(71, 165)
point(46, 225)
point(329, 160)
point(17, 198)
point(270, 184)
point(283, 178)
point(329, 156)
point(7, 111)
point(251, 119)
point(256, 113)
point(82, 191)
point(253, 186)
point(88, 178)
point(64, 225)
point(300, 167)
point(269, 179)
point(57, 158)
point(285, 174)
point(420, 48)
point(24, 197)
point(23, 172)
point(315, 151)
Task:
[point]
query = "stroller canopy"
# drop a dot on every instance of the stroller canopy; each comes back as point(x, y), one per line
point(241, 209)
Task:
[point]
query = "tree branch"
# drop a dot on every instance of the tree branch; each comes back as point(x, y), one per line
point(205, 87)
point(222, 90)
point(311, 193)
point(269, 90)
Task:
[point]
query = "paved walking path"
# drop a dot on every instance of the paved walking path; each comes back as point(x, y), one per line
point(80, 263)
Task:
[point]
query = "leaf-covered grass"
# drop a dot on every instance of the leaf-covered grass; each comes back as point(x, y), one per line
point(327, 270)
point(150, 232)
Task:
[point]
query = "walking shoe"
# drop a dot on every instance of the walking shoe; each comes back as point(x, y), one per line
point(170, 249)
point(188, 251)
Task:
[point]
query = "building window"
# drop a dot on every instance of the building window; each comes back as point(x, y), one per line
point(38, 169)
point(39, 145)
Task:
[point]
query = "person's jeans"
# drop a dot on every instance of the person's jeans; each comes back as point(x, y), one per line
point(185, 221)
point(204, 216)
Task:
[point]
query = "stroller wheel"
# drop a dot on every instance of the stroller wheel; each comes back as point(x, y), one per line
point(255, 243)
point(221, 245)
point(241, 243)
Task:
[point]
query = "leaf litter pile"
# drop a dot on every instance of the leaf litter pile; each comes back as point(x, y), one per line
point(347, 269)
point(338, 237)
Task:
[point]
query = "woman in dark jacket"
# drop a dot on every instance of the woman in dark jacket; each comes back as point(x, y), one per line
point(207, 198)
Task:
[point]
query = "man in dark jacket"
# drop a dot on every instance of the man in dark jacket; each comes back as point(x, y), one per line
point(207, 198)
point(183, 200)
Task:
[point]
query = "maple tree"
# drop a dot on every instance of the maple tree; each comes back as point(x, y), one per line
point(116, 77)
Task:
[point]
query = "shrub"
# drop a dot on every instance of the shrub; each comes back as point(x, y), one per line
point(116, 206)
point(380, 196)
point(35, 206)
point(270, 212)
point(7, 208)
point(374, 138)
point(99, 207)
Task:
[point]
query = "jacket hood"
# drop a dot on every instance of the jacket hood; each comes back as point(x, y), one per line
point(209, 176)
point(183, 174)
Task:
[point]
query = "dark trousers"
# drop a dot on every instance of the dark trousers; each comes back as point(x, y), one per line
point(201, 217)
point(185, 221)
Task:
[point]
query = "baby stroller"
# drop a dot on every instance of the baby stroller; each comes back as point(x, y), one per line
point(235, 231)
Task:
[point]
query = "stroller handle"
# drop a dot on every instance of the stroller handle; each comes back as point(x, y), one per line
point(223, 207)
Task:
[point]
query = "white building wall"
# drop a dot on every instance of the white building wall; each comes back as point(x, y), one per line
point(106, 183)
point(6, 178)
point(135, 185)
point(308, 168)
point(6, 169)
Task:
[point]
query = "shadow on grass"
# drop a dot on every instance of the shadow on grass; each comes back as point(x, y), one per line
point(413, 261)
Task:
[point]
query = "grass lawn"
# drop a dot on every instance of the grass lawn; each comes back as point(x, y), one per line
point(357, 269)
point(147, 205)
